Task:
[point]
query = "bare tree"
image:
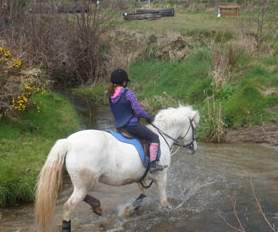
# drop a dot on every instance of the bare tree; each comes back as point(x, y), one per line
point(265, 19)
point(69, 42)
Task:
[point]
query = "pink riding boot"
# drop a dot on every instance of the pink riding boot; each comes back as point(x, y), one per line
point(154, 166)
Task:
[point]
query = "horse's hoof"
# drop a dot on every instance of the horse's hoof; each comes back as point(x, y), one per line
point(167, 207)
point(97, 211)
point(138, 202)
point(66, 226)
point(128, 211)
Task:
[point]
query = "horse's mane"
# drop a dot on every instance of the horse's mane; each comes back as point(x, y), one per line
point(170, 115)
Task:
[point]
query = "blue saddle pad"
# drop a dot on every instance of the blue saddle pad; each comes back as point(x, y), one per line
point(136, 143)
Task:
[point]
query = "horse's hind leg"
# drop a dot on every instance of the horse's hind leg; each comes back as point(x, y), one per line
point(94, 203)
point(137, 203)
point(76, 197)
point(82, 181)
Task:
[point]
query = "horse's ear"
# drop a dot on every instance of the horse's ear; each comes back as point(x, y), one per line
point(196, 117)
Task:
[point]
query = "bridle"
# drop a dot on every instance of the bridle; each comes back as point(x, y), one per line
point(176, 142)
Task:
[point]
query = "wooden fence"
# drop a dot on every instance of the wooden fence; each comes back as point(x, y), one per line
point(228, 9)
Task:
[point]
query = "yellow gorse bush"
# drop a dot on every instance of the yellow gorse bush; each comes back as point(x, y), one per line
point(14, 64)
point(18, 84)
point(20, 103)
point(4, 52)
point(29, 87)
point(17, 64)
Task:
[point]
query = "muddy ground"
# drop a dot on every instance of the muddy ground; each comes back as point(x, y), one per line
point(257, 134)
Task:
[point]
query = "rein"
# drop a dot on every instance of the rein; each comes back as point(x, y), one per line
point(176, 142)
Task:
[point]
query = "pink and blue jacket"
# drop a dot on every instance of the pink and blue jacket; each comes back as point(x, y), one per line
point(126, 109)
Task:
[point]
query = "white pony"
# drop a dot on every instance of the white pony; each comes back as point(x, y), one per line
point(92, 156)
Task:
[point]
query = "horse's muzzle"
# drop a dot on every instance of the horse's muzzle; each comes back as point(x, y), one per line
point(192, 147)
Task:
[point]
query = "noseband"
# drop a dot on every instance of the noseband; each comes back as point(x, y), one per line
point(176, 142)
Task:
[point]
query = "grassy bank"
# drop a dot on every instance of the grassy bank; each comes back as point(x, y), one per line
point(249, 98)
point(223, 74)
point(25, 143)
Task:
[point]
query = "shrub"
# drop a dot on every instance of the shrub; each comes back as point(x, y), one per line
point(16, 85)
point(212, 126)
point(70, 47)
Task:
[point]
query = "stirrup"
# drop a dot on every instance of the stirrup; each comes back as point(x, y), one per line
point(154, 167)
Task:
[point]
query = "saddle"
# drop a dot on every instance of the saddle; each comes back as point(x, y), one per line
point(144, 143)
point(141, 146)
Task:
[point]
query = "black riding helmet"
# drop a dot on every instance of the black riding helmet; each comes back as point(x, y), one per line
point(119, 76)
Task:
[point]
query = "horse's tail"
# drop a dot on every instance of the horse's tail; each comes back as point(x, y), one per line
point(49, 182)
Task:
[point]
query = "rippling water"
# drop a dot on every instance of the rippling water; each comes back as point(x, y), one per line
point(208, 191)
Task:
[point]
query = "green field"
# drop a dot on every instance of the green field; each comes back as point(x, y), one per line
point(186, 22)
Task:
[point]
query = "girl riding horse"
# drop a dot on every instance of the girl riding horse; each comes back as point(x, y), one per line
point(127, 112)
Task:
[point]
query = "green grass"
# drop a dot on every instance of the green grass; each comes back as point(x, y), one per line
point(253, 93)
point(245, 106)
point(24, 145)
point(245, 100)
point(184, 79)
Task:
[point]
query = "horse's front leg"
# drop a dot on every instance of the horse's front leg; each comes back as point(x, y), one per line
point(161, 182)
